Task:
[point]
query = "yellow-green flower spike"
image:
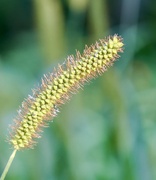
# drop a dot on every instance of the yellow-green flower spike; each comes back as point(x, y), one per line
point(57, 87)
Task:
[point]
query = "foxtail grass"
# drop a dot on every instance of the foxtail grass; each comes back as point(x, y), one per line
point(57, 87)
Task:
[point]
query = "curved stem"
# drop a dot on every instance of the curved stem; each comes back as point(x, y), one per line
point(8, 165)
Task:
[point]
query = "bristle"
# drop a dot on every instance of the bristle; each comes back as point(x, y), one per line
point(57, 88)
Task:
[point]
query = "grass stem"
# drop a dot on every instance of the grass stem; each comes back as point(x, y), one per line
point(8, 165)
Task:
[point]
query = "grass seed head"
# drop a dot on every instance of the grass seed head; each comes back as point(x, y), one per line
point(57, 87)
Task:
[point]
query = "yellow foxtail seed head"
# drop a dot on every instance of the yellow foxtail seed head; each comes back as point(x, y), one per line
point(57, 87)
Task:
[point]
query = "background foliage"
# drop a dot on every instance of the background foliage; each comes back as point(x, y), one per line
point(107, 131)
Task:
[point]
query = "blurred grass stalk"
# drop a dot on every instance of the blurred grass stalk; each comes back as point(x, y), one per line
point(98, 18)
point(78, 5)
point(76, 23)
point(50, 25)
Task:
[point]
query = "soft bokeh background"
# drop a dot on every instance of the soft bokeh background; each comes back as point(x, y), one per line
point(108, 130)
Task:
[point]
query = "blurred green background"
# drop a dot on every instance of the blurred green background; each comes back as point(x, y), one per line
point(108, 130)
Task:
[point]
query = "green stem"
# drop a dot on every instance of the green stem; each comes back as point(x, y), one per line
point(8, 165)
